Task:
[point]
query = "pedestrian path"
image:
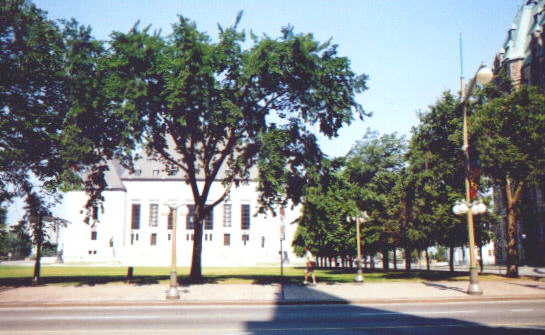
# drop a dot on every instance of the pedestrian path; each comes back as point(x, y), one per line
point(383, 292)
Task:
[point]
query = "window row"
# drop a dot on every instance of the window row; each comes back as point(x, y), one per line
point(190, 217)
point(245, 238)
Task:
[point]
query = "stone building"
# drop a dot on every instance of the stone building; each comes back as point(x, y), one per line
point(523, 60)
point(135, 227)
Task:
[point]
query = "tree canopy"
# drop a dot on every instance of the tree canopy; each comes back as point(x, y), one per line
point(215, 110)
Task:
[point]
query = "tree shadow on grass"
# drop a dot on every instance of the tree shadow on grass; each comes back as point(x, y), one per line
point(81, 280)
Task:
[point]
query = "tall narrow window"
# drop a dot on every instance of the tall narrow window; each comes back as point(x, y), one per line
point(209, 221)
point(227, 215)
point(95, 213)
point(135, 217)
point(245, 217)
point(153, 239)
point(93, 235)
point(226, 240)
point(190, 218)
point(153, 214)
point(169, 220)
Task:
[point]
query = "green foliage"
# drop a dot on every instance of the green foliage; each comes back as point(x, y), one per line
point(374, 165)
point(363, 182)
point(511, 142)
point(435, 176)
point(19, 241)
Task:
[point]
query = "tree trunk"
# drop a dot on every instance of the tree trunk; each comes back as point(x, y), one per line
point(451, 259)
point(39, 239)
point(395, 259)
point(513, 193)
point(385, 260)
point(427, 259)
point(195, 275)
point(481, 262)
point(408, 259)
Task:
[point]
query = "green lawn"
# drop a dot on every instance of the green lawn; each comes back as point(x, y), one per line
point(92, 275)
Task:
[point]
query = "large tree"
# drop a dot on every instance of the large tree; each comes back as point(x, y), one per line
point(374, 164)
point(436, 175)
point(509, 131)
point(54, 120)
point(215, 110)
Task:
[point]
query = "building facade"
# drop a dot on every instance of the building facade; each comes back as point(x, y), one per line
point(135, 225)
point(523, 60)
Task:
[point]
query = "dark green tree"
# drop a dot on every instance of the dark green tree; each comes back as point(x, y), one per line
point(436, 166)
point(511, 145)
point(322, 225)
point(55, 126)
point(215, 110)
point(374, 165)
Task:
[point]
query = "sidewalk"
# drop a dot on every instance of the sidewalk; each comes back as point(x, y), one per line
point(211, 294)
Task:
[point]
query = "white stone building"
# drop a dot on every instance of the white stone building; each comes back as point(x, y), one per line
point(135, 228)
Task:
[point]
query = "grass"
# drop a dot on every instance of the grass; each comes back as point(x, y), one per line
point(94, 275)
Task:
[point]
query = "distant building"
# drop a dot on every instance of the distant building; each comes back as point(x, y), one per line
point(135, 227)
point(523, 59)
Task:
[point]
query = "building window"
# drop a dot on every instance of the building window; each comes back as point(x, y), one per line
point(262, 241)
point(94, 235)
point(208, 237)
point(226, 240)
point(135, 216)
point(169, 236)
point(209, 220)
point(245, 238)
point(134, 238)
point(156, 173)
point(169, 220)
point(153, 239)
point(95, 213)
point(227, 215)
point(190, 218)
point(153, 214)
point(245, 217)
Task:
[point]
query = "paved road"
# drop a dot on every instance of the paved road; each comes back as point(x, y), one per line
point(522, 317)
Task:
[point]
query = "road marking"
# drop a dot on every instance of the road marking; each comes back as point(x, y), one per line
point(418, 313)
point(522, 310)
point(439, 312)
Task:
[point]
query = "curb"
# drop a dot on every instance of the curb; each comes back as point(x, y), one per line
point(82, 304)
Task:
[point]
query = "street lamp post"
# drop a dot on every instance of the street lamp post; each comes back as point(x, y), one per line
point(483, 76)
point(172, 292)
point(358, 219)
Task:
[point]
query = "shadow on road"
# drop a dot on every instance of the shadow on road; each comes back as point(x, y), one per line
point(344, 318)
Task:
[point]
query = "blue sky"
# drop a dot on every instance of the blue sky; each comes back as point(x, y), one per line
point(409, 48)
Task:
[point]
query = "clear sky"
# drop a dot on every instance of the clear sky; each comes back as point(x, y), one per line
point(409, 48)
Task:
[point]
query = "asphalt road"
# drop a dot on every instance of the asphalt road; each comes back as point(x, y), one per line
point(516, 317)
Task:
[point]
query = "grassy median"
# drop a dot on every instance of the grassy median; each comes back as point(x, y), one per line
point(93, 275)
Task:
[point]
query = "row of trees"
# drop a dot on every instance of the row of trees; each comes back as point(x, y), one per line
point(70, 103)
point(408, 189)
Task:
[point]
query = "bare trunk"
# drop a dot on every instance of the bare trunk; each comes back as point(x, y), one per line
point(408, 259)
point(427, 259)
point(451, 259)
point(385, 260)
point(481, 262)
point(39, 239)
point(196, 260)
point(395, 259)
point(513, 193)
